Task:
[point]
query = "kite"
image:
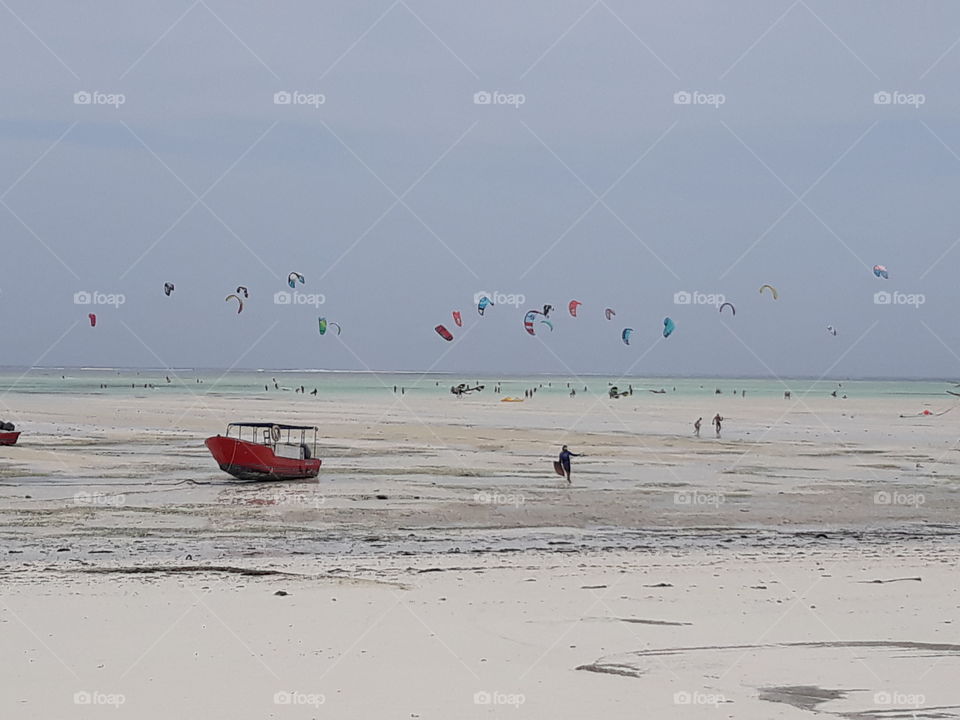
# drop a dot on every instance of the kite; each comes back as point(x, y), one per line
point(668, 327)
point(239, 302)
point(483, 304)
point(242, 289)
point(572, 307)
point(729, 305)
point(457, 319)
point(773, 291)
point(93, 320)
point(444, 333)
point(625, 336)
point(548, 324)
point(609, 313)
point(528, 321)
point(323, 326)
point(167, 289)
point(293, 277)
point(546, 310)
point(881, 272)
point(832, 330)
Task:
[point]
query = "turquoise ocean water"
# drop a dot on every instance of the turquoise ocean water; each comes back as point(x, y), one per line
point(117, 381)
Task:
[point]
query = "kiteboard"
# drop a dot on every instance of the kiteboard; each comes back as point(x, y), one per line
point(558, 468)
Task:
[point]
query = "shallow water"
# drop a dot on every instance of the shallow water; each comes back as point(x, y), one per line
point(344, 385)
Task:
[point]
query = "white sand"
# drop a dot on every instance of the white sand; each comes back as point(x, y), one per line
point(385, 639)
point(764, 538)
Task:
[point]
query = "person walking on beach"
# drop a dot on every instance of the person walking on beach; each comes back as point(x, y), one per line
point(565, 456)
point(696, 427)
point(716, 423)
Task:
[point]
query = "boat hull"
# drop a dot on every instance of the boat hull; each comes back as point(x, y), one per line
point(9, 438)
point(251, 461)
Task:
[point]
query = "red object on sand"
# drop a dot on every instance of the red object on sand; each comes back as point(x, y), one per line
point(267, 455)
point(9, 438)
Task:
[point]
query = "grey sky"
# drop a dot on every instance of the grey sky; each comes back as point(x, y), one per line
point(399, 197)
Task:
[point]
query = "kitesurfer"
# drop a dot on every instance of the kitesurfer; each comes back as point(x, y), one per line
point(565, 456)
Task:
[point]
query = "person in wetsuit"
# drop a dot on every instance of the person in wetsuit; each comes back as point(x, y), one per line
point(565, 456)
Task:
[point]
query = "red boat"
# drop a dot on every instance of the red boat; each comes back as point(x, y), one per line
point(9, 438)
point(268, 454)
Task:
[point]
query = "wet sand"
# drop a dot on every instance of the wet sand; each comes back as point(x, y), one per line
point(438, 567)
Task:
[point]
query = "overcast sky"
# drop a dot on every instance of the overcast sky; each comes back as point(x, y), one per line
point(143, 143)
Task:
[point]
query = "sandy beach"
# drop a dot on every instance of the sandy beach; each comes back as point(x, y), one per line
point(803, 563)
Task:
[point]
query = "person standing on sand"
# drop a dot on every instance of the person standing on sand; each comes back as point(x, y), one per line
point(716, 422)
point(565, 456)
point(696, 427)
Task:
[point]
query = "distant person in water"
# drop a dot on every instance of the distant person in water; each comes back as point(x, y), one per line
point(696, 427)
point(717, 420)
point(565, 456)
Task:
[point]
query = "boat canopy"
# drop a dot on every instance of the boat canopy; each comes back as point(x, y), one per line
point(270, 425)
